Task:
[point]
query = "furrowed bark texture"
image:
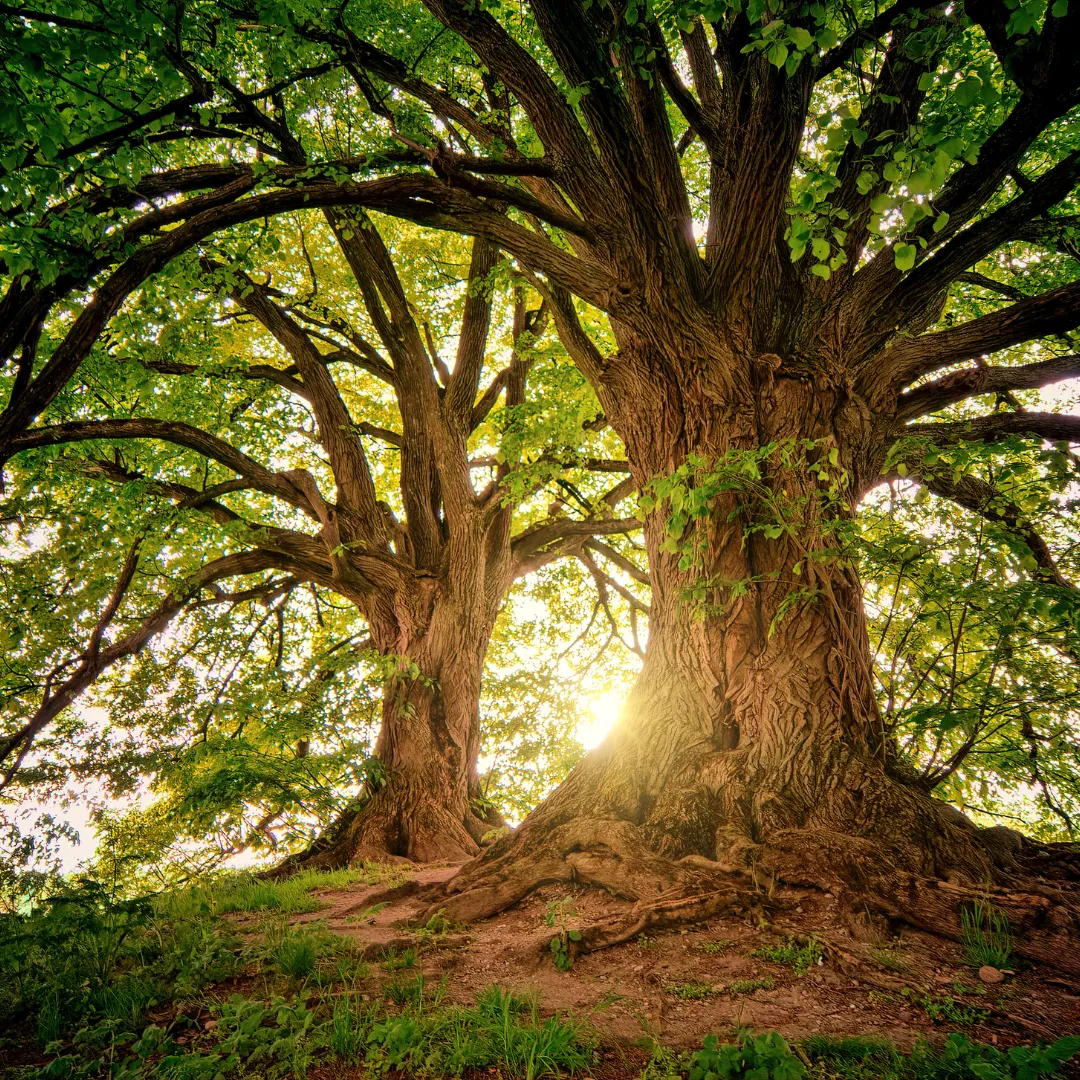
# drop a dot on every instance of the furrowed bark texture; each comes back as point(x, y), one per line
point(429, 807)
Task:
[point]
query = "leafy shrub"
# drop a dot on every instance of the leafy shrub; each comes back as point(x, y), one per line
point(757, 1057)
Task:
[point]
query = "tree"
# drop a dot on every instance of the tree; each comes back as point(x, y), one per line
point(429, 570)
point(773, 204)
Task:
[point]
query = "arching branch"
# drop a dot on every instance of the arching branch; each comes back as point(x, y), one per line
point(1053, 312)
point(985, 380)
point(175, 432)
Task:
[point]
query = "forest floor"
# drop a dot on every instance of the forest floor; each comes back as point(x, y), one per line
point(731, 973)
point(337, 977)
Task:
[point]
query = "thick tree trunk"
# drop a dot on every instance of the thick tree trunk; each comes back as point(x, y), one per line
point(751, 746)
point(428, 807)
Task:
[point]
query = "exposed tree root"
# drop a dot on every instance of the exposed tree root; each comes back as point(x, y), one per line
point(1043, 908)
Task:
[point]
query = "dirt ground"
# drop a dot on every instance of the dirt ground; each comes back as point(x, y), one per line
point(870, 981)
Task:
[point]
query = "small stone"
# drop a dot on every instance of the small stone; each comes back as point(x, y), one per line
point(210, 1025)
point(988, 974)
point(905, 1016)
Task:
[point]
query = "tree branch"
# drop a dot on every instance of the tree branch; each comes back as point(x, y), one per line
point(985, 380)
point(1053, 312)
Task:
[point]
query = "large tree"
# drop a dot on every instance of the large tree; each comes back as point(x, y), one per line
point(773, 204)
point(425, 539)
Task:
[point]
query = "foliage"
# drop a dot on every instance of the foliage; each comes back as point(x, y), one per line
point(757, 1057)
point(861, 1058)
point(558, 916)
point(691, 991)
point(715, 947)
point(986, 937)
point(748, 986)
point(800, 958)
point(944, 1008)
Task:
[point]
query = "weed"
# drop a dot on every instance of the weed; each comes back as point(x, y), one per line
point(858, 1058)
point(398, 961)
point(800, 958)
point(715, 948)
point(402, 992)
point(296, 956)
point(691, 991)
point(761, 1057)
point(985, 935)
point(646, 942)
point(888, 957)
point(351, 1020)
point(946, 1009)
point(557, 915)
point(666, 1064)
point(748, 986)
point(366, 915)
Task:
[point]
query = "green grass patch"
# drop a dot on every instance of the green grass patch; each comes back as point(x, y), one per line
point(985, 936)
point(691, 991)
point(294, 895)
point(716, 947)
point(395, 960)
point(889, 958)
point(800, 958)
point(748, 986)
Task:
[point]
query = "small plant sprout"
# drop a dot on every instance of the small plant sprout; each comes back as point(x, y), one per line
point(557, 917)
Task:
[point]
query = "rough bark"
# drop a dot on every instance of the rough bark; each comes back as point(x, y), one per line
point(428, 806)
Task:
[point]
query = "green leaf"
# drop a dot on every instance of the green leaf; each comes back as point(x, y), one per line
point(778, 54)
point(904, 256)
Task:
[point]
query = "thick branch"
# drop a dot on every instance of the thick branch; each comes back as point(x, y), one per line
point(179, 434)
point(1052, 426)
point(985, 380)
point(1052, 312)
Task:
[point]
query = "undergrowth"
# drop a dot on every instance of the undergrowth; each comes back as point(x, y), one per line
point(986, 937)
point(147, 988)
point(800, 958)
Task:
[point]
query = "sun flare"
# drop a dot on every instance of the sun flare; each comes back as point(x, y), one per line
point(603, 712)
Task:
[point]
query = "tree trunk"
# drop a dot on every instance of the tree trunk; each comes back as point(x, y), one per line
point(751, 746)
point(428, 806)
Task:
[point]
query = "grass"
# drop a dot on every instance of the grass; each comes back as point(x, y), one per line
point(691, 991)
point(715, 948)
point(293, 896)
point(748, 986)
point(985, 936)
point(397, 961)
point(404, 992)
point(296, 957)
point(889, 958)
point(800, 958)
